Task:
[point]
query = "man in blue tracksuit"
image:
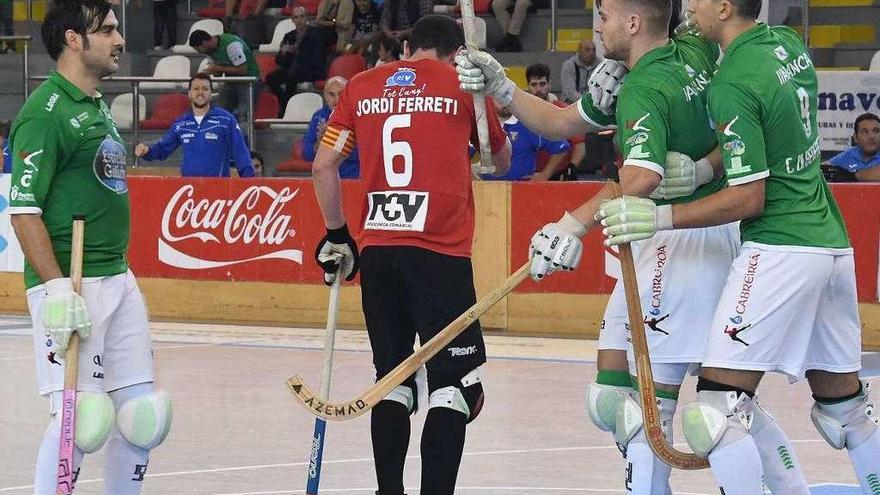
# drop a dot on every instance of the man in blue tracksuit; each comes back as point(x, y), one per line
point(526, 144)
point(350, 168)
point(210, 137)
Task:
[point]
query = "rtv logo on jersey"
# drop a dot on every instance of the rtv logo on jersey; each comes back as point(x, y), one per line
point(397, 210)
point(403, 77)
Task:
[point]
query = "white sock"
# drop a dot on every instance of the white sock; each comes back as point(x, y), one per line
point(736, 463)
point(125, 464)
point(866, 461)
point(782, 470)
point(646, 475)
point(46, 475)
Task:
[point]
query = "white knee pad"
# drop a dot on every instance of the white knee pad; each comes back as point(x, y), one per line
point(145, 420)
point(629, 418)
point(402, 395)
point(705, 421)
point(846, 424)
point(94, 420)
point(603, 402)
point(466, 399)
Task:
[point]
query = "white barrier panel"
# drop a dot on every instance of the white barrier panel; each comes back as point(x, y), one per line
point(843, 96)
point(11, 257)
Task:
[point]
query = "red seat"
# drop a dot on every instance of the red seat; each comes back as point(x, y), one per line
point(295, 163)
point(166, 109)
point(214, 10)
point(347, 66)
point(311, 7)
point(267, 65)
point(267, 108)
point(482, 6)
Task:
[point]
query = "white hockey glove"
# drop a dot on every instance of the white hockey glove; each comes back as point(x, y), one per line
point(630, 219)
point(338, 253)
point(683, 176)
point(479, 71)
point(557, 246)
point(64, 312)
point(604, 84)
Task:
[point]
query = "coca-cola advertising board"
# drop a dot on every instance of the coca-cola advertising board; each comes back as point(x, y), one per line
point(222, 229)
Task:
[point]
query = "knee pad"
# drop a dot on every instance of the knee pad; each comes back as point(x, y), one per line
point(94, 420)
point(848, 423)
point(403, 394)
point(466, 398)
point(145, 420)
point(603, 402)
point(705, 421)
point(629, 420)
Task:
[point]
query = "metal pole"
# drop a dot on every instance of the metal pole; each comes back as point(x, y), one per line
point(189, 6)
point(136, 112)
point(26, 59)
point(250, 122)
point(552, 25)
point(30, 10)
point(124, 18)
point(805, 15)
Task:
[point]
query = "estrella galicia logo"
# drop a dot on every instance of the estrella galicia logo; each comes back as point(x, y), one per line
point(403, 77)
point(736, 320)
point(655, 311)
point(109, 165)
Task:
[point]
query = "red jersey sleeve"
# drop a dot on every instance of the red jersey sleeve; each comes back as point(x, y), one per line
point(339, 135)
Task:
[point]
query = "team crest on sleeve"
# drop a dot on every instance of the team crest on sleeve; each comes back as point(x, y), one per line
point(403, 77)
point(109, 165)
point(781, 53)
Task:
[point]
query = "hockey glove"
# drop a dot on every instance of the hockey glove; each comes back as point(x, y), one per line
point(630, 219)
point(479, 71)
point(557, 246)
point(338, 253)
point(64, 312)
point(604, 84)
point(682, 176)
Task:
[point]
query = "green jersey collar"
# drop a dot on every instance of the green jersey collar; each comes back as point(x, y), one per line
point(656, 54)
point(746, 36)
point(75, 93)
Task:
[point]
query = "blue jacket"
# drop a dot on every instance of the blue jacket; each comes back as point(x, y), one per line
point(350, 168)
point(524, 152)
point(852, 160)
point(207, 148)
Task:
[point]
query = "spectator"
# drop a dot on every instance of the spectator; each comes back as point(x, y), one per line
point(511, 25)
point(4, 139)
point(248, 8)
point(399, 16)
point(525, 146)
point(389, 49)
point(334, 19)
point(230, 56)
point(350, 168)
point(538, 78)
point(164, 21)
point(300, 58)
point(365, 26)
point(6, 26)
point(576, 71)
point(257, 162)
point(208, 148)
point(863, 159)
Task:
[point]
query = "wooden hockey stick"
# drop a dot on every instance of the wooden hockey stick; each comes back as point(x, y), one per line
point(644, 375)
point(316, 455)
point(367, 400)
point(467, 24)
point(71, 367)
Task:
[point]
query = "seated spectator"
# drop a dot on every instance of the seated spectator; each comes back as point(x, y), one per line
point(399, 16)
point(230, 56)
point(525, 145)
point(863, 159)
point(208, 148)
point(538, 78)
point(300, 58)
point(576, 71)
point(365, 26)
point(334, 19)
point(511, 25)
point(257, 163)
point(350, 168)
point(388, 50)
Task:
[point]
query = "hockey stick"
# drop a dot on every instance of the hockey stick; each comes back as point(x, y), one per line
point(316, 455)
point(644, 375)
point(71, 367)
point(467, 24)
point(367, 400)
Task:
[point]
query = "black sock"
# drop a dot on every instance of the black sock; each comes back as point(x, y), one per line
point(442, 445)
point(389, 426)
point(706, 384)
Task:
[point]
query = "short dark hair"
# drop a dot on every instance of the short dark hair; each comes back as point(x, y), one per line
point(439, 32)
point(201, 75)
point(81, 16)
point(657, 14)
point(863, 117)
point(391, 45)
point(747, 9)
point(197, 37)
point(675, 16)
point(537, 71)
point(258, 156)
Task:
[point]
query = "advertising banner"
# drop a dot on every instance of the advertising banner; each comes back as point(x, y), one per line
point(11, 257)
point(843, 96)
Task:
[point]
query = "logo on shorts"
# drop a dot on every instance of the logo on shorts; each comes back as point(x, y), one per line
point(657, 280)
point(748, 280)
point(403, 77)
point(733, 333)
point(462, 351)
point(736, 320)
point(397, 210)
point(654, 321)
point(51, 358)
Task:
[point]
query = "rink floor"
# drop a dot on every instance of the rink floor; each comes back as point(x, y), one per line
point(238, 431)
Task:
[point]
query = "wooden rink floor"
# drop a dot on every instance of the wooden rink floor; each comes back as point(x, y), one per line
point(238, 431)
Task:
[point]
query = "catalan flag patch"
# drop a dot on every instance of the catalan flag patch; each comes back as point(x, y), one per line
point(339, 140)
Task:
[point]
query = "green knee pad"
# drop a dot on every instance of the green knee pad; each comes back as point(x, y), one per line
point(94, 420)
point(145, 421)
